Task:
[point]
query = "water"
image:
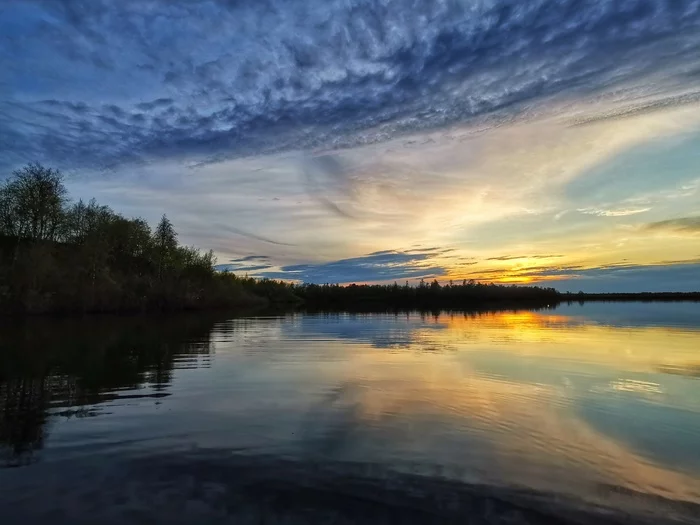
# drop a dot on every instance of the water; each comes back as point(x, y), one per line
point(575, 413)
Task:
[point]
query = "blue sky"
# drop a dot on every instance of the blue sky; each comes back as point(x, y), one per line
point(551, 141)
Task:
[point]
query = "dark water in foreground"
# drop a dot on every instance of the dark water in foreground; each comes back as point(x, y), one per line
point(582, 414)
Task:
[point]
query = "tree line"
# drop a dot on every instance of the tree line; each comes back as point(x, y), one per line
point(57, 255)
point(434, 296)
point(63, 256)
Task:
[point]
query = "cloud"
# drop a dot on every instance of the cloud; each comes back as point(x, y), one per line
point(249, 263)
point(695, 260)
point(515, 257)
point(681, 225)
point(242, 268)
point(386, 265)
point(155, 104)
point(249, 258)
point(132, 81)
point(618, 212)
point(326, 173)
point(640, 108)
point(622, 277)
point(421, 125)
point(244, 233)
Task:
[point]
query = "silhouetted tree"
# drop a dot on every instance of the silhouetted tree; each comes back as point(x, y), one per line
point(31, 203)
point(165, 243)
point(84, 257)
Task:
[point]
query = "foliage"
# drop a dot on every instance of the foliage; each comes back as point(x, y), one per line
point(31, 203)
point(423, 297)
point(83, 257)
point(57, 256)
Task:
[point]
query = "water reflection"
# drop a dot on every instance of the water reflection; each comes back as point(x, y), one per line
point(67, 368)
point(600, 401)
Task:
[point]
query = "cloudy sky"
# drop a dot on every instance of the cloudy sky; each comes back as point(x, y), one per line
point(550, 141)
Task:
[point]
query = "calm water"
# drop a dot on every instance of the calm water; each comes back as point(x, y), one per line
point(580, 407)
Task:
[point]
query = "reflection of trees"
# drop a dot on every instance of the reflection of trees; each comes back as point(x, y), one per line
point(64, 367)
point(24, 403)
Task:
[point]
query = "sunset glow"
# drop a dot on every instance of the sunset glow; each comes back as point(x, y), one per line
point(343, 151)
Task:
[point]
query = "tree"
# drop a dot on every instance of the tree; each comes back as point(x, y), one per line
point(165, 236)
point(85, 220)
point(165, 243)
point(84, 257)
point(31, 203)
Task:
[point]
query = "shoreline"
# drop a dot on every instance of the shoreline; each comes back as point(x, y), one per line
point(265, 308)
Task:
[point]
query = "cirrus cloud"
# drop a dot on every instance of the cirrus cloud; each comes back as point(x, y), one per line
point(104, 83)
point(682, 225)
point(382, 266)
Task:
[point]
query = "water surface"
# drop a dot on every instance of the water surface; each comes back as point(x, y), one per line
point(583, 406)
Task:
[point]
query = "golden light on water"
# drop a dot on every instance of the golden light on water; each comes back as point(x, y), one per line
point(517, 384)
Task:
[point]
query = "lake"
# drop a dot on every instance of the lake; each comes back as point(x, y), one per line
point(583, 411)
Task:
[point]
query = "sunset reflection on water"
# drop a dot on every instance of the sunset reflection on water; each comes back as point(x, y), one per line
point(600, 402)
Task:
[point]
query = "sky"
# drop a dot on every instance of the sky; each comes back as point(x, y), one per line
point(552, 142)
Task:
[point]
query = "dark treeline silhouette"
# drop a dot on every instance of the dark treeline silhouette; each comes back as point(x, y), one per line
point(467, 295)
point(76, 257)
point(636, 296)
point(58, 256)
point(433, 296)
point(66, 368)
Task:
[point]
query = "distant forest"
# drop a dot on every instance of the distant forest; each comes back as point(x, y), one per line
point(426, 296)
point(59, 256)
